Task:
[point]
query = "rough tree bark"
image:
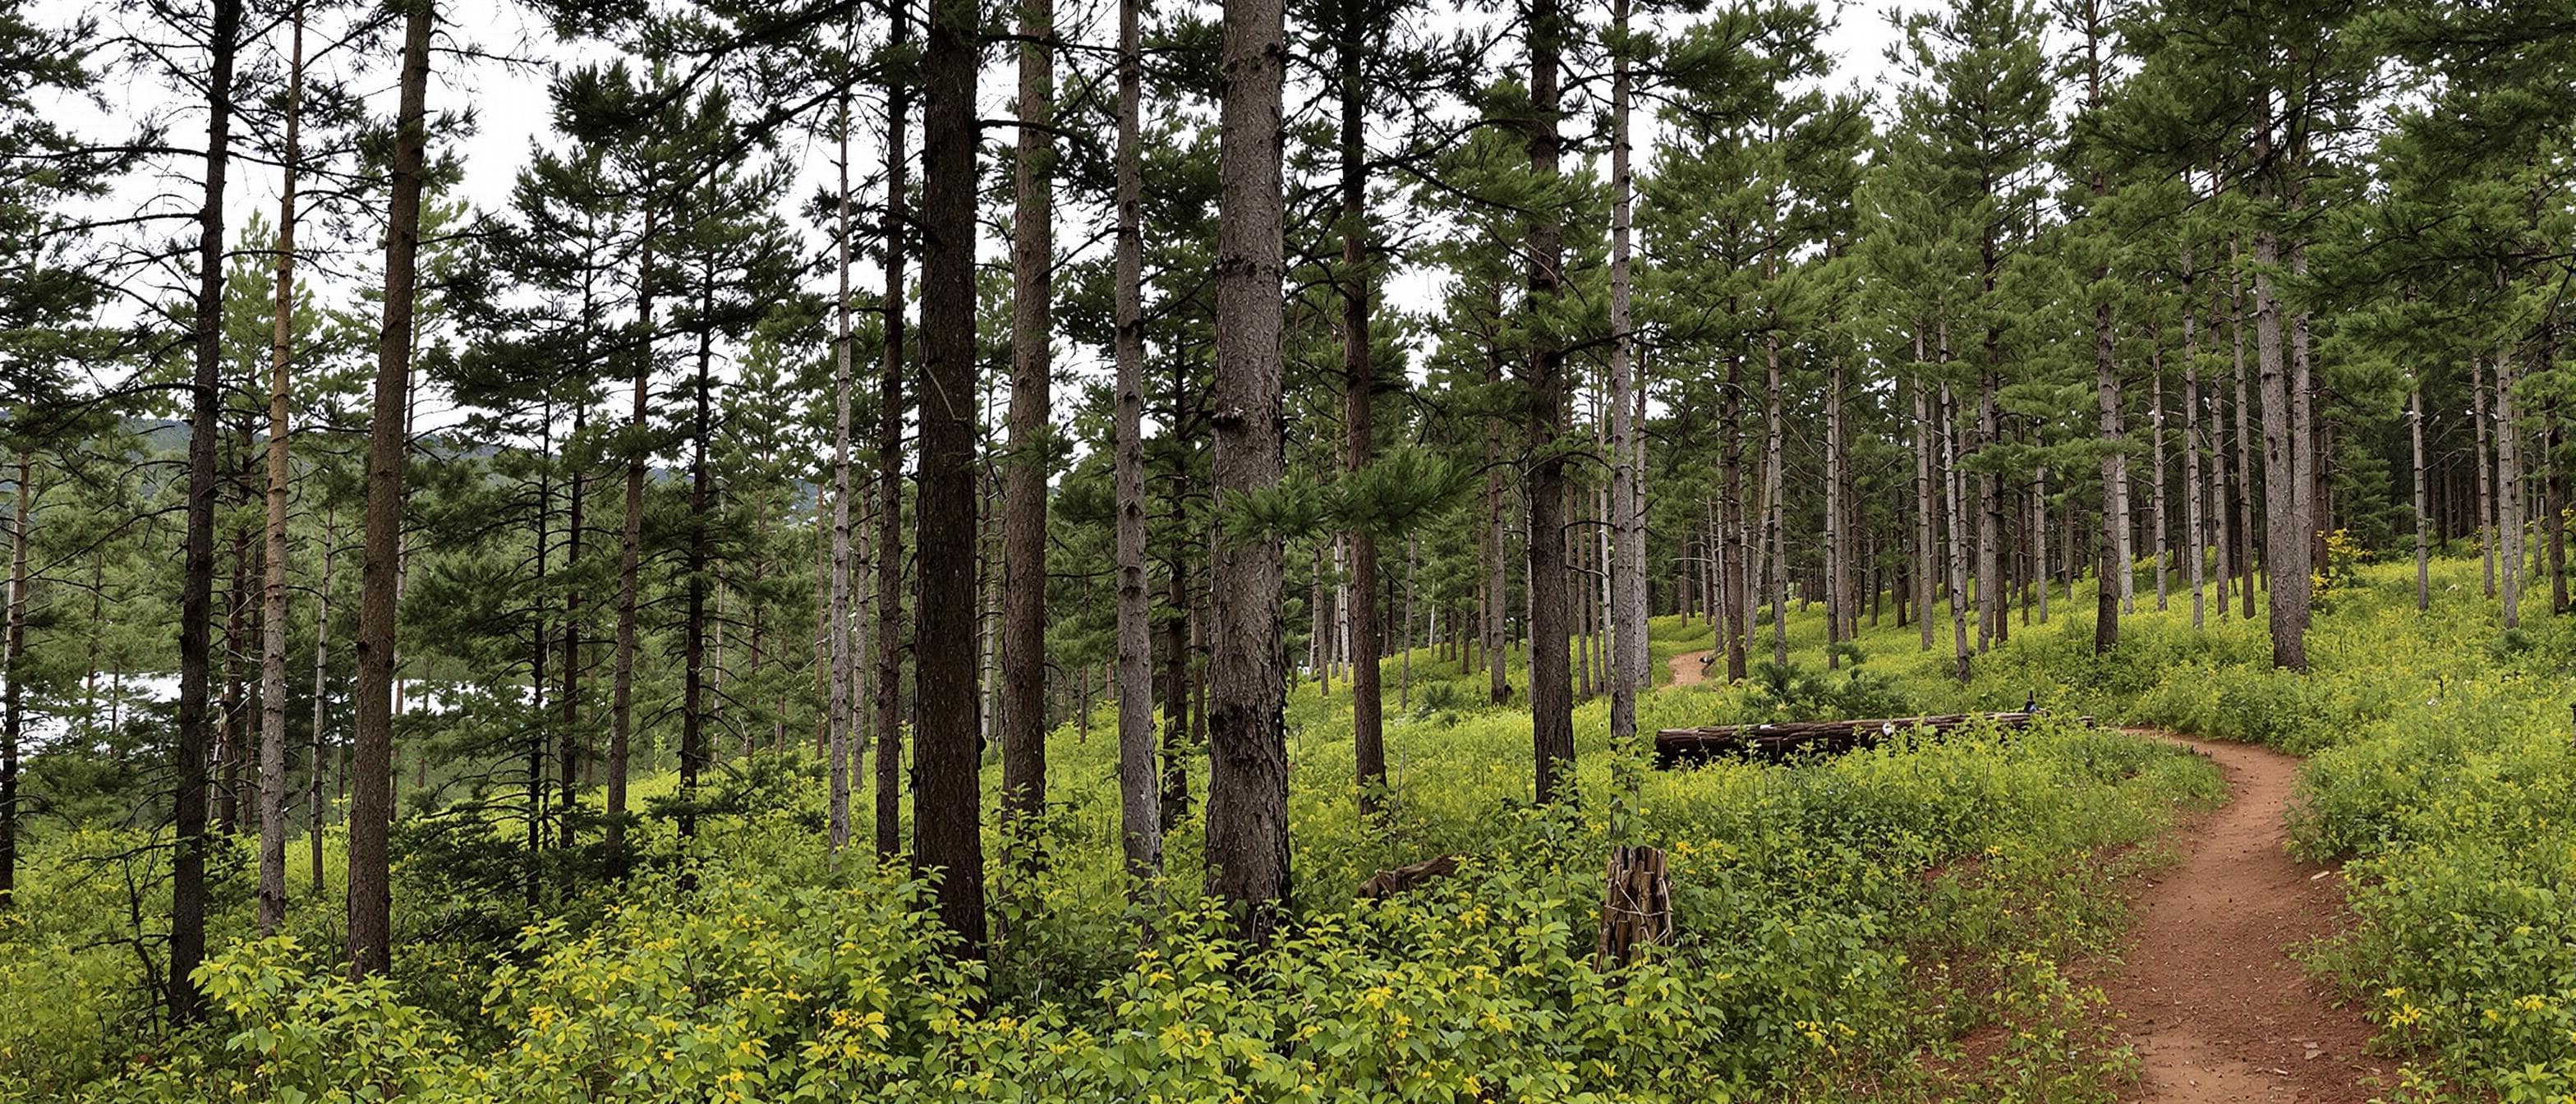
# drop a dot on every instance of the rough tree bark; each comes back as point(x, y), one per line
point(837, 628)
point(197, 582)
point(630, 564)
point(1368, 733)
point(1024, 495)
point(1247, 811)
point(889, 540)
point(2285, 536)
point(1550, 694)
point(272, 652)
point(947, 812)
point(371, 807)
point(1628, 656)
point(1139, 803)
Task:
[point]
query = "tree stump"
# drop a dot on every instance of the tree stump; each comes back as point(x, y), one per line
point(1637, 908)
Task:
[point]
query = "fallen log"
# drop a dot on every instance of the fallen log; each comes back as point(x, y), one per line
point(1388, 883)
point(1777, 740)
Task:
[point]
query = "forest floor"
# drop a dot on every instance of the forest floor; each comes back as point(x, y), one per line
point(2211, 1000)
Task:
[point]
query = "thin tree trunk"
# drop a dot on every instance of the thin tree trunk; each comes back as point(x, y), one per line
point(1024, 551)
point(1835, 598)
point(1775, 540)
point(371, 810)
point(2039, 539)
point(2423, 515)
point(272, 665)
point(321, 698)
point(2156, 462)
point(890, 407)
point(2486, 488)
point(2110, 602)
point(1404, 677)
point(1628, 657)
point(1924, 544)
point(2194, 518)
point(1139, 804)
point(2244, 496)
point(1368, 728)
point(837, 627)
point(1735, 579)
point(1247, 812)
point(1952, 508)
point(1497, 647)
point(630, 565)
point(13, 685)
point(569, 762)
point(695, 700)
point(2509, 493)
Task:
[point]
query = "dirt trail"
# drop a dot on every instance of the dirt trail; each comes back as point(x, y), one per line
point(2214, 1005)
point(1687, 669)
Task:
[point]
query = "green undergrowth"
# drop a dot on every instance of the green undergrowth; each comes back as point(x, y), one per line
point(2441, 774)
point(1897, 923)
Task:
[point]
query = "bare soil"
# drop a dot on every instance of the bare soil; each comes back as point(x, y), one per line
point(1689, 668)
point(2209, 996)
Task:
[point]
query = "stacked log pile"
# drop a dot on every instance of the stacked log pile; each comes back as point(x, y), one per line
point(1778, 740)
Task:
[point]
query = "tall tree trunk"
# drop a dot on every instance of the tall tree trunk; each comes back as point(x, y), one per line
point(1247, 813)
point(947, 812)
point(2039, 539)
point(2196, 545)
point(1139, 803)
point(371, 808)
point(2553, 513)
point(12, 683)
point(1734, 577)
point(695, 700)
point(1837, 599)
point(2423, 515)
point(1551, 694)
point(1368, 730)
point(1775, 540)
point(837, 627)
point(272, 659)
point(2285, 536)
point(2486, 488)
point(2156, 461)
point(1924, 543)
point(1953, 509)
point(1024, 543)
point(2245, 473)
point(321, 699)
point(630, 565)
point(2509, 493)
point(2109, 602)
point(1497, 603)
point(1628, 656)
point(573, 753)
point(890, 406)
point(1990, 525)
point(237, 607)
point(2221, 530)
point(1404, 675)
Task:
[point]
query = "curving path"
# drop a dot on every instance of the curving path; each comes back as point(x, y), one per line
point(2214, 1005)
